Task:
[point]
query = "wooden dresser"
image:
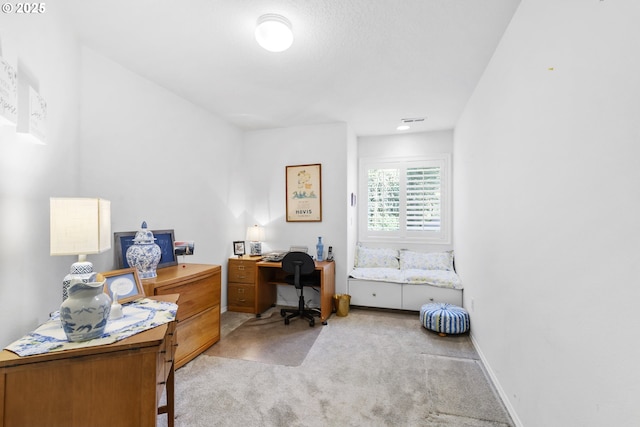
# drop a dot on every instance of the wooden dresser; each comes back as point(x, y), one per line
point(114, 385)
point(242, 289)
point(199, 309)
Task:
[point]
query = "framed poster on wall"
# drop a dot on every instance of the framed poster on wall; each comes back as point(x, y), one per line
point(304, 193)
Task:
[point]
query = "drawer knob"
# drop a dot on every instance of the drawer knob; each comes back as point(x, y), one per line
point(373, 294)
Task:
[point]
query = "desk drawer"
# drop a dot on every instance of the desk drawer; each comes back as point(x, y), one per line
point(241, 295)
point(242, 271)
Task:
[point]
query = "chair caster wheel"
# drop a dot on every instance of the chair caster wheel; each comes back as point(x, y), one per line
point(312, 323)
point(324, 323)
point(286, 321)
point(283, 313)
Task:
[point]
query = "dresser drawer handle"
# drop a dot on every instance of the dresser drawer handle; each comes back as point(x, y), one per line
point(242, 300)
point(241, 267)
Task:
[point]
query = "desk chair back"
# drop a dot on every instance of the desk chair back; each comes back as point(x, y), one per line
point(299, 264)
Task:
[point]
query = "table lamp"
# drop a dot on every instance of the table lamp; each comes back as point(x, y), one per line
point(255, 236)
point(79, 226)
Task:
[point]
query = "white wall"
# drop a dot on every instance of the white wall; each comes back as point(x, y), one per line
point(267, 153)
point(546, 213)
point(30, 279)
point(407, 145)
point(160, 159)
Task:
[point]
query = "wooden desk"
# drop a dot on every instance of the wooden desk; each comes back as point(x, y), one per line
point(115, 385)
point(271, 274)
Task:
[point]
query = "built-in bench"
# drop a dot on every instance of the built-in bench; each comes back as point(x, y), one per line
point(403, 279)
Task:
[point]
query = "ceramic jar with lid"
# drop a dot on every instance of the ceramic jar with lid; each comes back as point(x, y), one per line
point(144, 254)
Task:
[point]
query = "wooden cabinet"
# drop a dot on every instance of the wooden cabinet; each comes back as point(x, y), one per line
point(243, 294)
point(199, 309)
point(115, 385)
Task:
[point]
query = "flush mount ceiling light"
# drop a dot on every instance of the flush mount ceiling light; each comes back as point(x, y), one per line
point(273, 32)
point(405, 123)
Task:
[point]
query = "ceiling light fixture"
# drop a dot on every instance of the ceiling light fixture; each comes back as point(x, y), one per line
point(273, 32)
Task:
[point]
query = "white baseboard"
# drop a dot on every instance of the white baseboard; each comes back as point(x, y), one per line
point(496, 384)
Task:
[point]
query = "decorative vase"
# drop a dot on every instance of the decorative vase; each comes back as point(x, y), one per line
point(319, 249)
point(144, 254)
point(85, 312)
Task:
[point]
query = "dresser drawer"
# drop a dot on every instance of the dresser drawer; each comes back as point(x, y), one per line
point(242, 271)
point(241, 295)
point(166, 354)
point(195, 296)
point(196, 334)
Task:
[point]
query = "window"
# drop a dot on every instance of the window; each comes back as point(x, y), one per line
point(405, 199)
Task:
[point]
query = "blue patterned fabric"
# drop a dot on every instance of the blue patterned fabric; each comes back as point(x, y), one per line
point(444, 318)
point(139, 316)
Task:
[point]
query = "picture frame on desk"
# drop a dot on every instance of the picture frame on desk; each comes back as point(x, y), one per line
point(304, 193)
point(126, 282)
point(238, 248)
point(164, 238)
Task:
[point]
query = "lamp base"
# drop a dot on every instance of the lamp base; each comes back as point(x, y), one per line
point(255, 248)
point(82, 270)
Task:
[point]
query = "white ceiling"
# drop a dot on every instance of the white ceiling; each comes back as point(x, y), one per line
point(365, 62)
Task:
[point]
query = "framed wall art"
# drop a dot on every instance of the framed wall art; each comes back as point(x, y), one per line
point(164, 238)
point(304, 193)
point(125, 282)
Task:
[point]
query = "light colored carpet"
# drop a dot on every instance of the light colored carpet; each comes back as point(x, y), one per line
point(367, 369)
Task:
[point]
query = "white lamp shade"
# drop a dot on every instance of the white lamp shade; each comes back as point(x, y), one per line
point(255, 234)
point(79, 226)
point(273, 33)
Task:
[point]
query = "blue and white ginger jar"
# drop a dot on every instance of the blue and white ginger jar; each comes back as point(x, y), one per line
point(84, 314)
point(144, 254)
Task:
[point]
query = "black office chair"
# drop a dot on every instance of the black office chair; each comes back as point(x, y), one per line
point(300, 267)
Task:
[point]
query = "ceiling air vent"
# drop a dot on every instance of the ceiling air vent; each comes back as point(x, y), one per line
point(414, 120)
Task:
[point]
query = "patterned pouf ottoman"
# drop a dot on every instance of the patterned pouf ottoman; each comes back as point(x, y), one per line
point(444, 318)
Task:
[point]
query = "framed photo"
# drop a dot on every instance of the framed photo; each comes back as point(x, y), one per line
point(304, 193)
point(164, 239)
point(238, 248)
point(184, 248)
point(125, 282)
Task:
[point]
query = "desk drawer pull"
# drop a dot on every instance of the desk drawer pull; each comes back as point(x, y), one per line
point(241, 267)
